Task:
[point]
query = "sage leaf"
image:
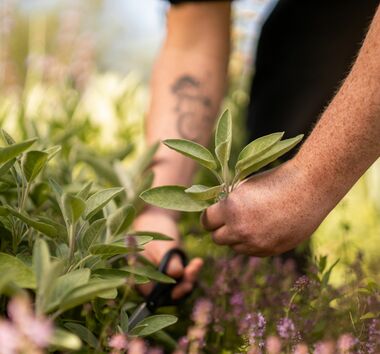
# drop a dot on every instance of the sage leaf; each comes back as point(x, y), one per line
point(85, 191)
point(155, 235)
point(111, 249)
point(193, 150)
point(32, 164)
point(223, 138)
point(173, 197)
point(18, 271)
point(41, 261)
point(65, 340)
point(42, 227)
point(92, 234)
point(201, 192)
point(9, 152)
point(153, 324)
point(279, 149)
point(259, 146)
point(83, 332)
point(149, 272)
point(98, 200)
point(73, 207)
point(110, 273)
point(120, 220)
point(87, 292)
point(64, 284)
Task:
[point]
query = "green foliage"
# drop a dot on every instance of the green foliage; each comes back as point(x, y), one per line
point(256, 155)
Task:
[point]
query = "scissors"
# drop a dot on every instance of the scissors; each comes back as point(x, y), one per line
point(161, 293)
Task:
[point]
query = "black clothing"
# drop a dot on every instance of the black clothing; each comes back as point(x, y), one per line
point(305, 50)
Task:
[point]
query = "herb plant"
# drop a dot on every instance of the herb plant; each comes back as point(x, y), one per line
point(256, 155)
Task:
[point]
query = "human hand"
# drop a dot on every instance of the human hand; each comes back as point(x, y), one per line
point(157, 220)
point(270, 213)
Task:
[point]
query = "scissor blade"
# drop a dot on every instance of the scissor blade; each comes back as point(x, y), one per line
point(140, 313)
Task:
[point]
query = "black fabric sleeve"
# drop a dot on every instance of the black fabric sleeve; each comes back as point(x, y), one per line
point(176, 2)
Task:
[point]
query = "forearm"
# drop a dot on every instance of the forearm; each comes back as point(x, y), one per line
point(187, 88)
point(346, 140)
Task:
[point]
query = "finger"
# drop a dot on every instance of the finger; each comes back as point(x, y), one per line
point(175, 268)
point(212, 218)
point(192, 270)
point(182, 290)
point(222, 237)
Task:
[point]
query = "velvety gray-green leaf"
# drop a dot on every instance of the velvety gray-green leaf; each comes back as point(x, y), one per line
point(111, 250)
point(120, 220)
point(193, 150)
point(87, 292)
point(73, 207)
point(149, 272)
point(259, 146)
point(42, 227)
point(154, 235)
point(9, 152)
point(173, 197)
point(83, 332)
point(153, 324)
point(64, 284)
point(18, 271)
point(32, 163)
point(223, 139)
point(41, 260)
point(65, 340)
point(92, 234)
point(85, 191)
point(108, 273)
point(201, 192)
point(100, 199)
point(271, 155)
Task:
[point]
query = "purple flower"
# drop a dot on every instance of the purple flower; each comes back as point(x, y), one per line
point(346, 343)
point(373, 342)
point(253, 326)
point(301, 283)
point(202, 312)
point(10, 338)
point(286, 328)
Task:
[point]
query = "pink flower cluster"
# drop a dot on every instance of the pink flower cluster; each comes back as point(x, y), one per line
point(24, 332)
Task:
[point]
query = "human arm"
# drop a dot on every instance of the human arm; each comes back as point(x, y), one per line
point(273, 212)
point(187, 87)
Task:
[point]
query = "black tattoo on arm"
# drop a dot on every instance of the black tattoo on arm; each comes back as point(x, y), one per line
point(193, 108)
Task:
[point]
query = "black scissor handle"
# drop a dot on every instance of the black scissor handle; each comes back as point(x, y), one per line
point(161, 293)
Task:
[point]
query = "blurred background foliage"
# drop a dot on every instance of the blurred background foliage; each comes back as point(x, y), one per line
point(83, 67)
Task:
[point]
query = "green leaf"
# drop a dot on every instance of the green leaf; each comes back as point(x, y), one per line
point(9, 152)
point(41, 261)
point(110, 250)
point(124, 320)
point(108, 273)
point(32, 164)
point(18, 272)
point(154, 235)
point(259, 146)
point(153, 324)
point(64, 284)
point(42, 227)
point(368, 315)
point(193, 150)
point(83, 332)
point(85, 191)
point(100, 199)
point(223, 138)
point(173, 197)
point(53, 151)
point(248, 167)
point(201, 192)
point(73, 207)
point(92, 234)
point(87, 292)
point(6, 166)
point(120, 220)
point(65, 340)
point(327, 274)
point(149, 272)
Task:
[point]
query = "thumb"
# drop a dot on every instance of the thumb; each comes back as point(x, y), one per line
point(212, 218)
